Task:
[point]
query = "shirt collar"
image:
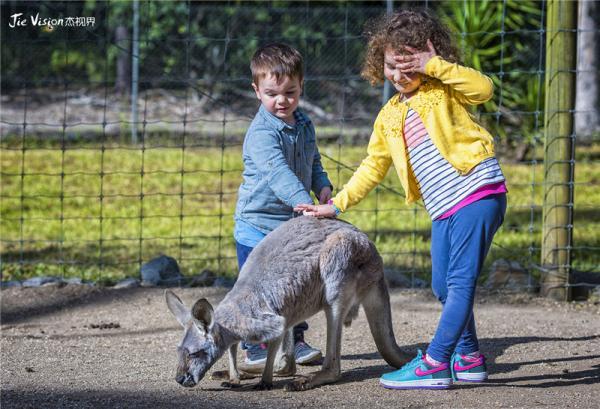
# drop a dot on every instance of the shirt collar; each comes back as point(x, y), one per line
point(279, 124)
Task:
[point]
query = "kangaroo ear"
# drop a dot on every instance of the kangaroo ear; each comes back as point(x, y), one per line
point(202, 311)
point(177, 308)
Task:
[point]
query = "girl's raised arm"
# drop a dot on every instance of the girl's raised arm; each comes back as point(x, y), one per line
point(473, 86)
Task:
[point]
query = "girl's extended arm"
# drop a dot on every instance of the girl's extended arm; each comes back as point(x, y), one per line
point(369, 174)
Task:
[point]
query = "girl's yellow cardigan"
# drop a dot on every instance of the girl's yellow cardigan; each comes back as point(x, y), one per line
point(441, 102)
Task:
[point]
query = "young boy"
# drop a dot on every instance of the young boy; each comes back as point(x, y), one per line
point(281, 166)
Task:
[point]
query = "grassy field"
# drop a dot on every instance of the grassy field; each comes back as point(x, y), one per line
point(99, 213)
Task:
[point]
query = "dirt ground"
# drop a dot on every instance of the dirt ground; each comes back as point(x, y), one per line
point(84, 347)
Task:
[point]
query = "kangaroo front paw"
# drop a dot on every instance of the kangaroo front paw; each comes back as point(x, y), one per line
point(244, 376)
point(233, 383)
point(300, 384)
point(224, 376)
point(219, 375)
point(263, 386)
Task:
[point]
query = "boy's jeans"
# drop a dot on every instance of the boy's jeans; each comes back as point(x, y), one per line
point(242, 254)
point(459, 245)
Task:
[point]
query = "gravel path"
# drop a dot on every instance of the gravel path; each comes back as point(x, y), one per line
point(85, 347)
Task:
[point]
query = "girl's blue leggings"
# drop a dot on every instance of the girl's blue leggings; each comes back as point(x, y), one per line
point(459, 245)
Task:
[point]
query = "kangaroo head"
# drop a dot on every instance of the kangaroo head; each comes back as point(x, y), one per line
point(198, 349)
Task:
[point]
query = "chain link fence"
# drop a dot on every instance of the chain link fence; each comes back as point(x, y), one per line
point(94, 186)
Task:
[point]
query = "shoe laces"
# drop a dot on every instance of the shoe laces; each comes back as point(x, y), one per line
point(416, 361)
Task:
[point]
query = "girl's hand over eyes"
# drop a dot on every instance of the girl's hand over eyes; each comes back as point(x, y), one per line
point(415, 60)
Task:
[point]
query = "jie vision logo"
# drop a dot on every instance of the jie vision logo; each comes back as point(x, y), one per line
point(19, 20)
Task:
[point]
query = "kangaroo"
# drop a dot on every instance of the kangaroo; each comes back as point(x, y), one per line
point(304, 266)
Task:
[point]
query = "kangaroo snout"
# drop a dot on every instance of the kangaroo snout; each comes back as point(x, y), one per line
point(186, 380)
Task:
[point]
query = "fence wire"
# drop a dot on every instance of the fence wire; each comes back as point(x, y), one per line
point(80, 198)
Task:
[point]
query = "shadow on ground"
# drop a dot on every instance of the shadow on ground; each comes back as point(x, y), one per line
point(111, 399)
point(495, 347)
point(41, 301)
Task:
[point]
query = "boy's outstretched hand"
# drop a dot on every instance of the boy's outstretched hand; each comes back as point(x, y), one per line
point(323, 210)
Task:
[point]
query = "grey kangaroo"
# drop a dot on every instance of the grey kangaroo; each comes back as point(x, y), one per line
point(304, 266)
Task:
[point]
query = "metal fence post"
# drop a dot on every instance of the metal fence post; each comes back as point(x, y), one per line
point(559, 148)
point(387, 87)
point(135, 58)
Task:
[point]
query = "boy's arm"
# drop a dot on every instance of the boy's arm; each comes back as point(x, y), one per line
point(265, 151)
point(320, 179)
point(319, 176)
point(472, 86)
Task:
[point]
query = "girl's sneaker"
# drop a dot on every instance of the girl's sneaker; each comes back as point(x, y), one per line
point(418, 374)
point(468, 369)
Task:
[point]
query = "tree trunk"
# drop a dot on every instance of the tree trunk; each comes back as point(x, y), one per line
point(587, 106)
point(123, 80)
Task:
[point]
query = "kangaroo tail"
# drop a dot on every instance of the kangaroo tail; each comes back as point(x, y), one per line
point(377, 309)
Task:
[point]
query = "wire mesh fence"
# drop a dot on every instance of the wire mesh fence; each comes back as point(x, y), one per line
point(92, 192)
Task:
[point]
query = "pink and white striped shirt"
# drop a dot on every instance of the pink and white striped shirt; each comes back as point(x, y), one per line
point(443, 189)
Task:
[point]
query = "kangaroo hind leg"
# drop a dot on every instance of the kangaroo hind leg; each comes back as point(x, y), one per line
point(331, 369)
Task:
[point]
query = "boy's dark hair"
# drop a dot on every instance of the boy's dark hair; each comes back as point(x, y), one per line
point(404, 28)
point(276, 59)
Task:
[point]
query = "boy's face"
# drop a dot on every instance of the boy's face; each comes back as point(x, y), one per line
point(405, 83)
point(279, 98)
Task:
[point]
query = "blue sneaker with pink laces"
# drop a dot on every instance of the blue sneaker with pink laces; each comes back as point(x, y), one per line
point(468, 369)
point(418, 374)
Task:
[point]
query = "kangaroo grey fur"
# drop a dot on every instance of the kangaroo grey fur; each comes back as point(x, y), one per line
point(304, 266)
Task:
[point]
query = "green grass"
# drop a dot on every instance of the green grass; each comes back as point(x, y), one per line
point(93, 214)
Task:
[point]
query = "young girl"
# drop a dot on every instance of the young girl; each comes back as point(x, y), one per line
point(444, 157)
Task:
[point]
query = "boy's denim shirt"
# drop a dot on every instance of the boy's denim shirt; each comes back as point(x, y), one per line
point(281, 166)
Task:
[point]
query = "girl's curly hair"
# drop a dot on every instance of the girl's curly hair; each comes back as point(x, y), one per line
point(404, 28)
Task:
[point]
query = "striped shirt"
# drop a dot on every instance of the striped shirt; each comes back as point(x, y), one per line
point(441, 186)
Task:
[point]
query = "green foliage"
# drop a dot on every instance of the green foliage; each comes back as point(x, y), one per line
point(182, 41)
point(498, 38)
point(527, 127)
point(62, 61)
